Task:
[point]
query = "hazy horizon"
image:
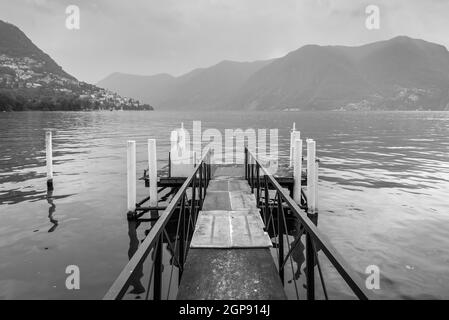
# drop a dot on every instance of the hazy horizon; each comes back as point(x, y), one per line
point(174, 37)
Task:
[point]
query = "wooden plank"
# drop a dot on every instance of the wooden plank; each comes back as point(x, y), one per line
point(230, 274)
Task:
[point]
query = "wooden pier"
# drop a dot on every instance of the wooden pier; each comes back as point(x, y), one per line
point(229, 256)
point(226, 232)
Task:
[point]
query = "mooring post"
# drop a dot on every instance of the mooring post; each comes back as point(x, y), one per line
point(152, 172)
point(131, 175)
point(49, 158)
point(294, 135)
point(311, 176)
point(297, 170)
point(312, 179)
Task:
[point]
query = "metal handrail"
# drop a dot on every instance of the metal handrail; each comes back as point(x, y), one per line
point(314, 237)
point(154, 237)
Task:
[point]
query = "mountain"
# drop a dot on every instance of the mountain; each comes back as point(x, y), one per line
point(15, 44)
point(31, 80)
point(204, 88)
point(401, 73)
point(397, 74)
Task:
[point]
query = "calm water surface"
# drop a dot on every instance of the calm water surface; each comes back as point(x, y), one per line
point(383, 194)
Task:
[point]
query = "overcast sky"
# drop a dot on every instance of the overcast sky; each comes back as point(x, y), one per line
point(176, 36)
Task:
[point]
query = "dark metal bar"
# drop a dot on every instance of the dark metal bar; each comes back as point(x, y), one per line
point(169, 164)
point(150, 208)
point(246, 164)
point(157, 286)
point(200, 189)
point(193, 200)
point(252, 175)
point(182, 237)
point(310, 268)
point(267, 201)
point(138, 204)
point(258, 183)
point(280, 221)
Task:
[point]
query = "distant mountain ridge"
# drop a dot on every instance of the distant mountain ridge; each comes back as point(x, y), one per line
point(396, 74)
point(203, 88)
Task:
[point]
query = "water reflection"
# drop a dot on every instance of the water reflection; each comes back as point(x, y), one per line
point(295, 232)
point(135, 283)
point(51, 211)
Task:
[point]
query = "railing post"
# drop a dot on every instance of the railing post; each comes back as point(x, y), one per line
point(258, 183)
point(131, 176)
point(267, 199)
point(280, 237)
point(49, 160)
point(200, 190)
point(310, 268)
point(193, 204)
point(182, 237)
point(157, 286)
point(209, 169)
point(169, 164)
point(297, 170)
point(246, 163)
point(252, 173)
point(152, 172)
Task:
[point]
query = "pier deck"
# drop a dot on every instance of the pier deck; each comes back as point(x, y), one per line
point(229, 256)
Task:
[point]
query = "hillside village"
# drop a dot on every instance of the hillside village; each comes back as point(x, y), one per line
point(29, 77)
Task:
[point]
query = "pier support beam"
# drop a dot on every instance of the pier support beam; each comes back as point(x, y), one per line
point(297, 170)
point(49, 159)
point(152, 173)
point(131, 176)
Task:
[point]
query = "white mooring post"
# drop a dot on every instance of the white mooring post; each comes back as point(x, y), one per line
point(49, 158)
point(311, 176)
point(297, 170)
point(131, 174)
point(152, 172)
point(294, 135)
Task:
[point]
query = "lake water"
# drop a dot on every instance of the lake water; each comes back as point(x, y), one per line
point(383, 193)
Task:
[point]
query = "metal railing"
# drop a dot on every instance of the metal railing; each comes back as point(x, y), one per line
point(274, 205)
point(184, 209)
